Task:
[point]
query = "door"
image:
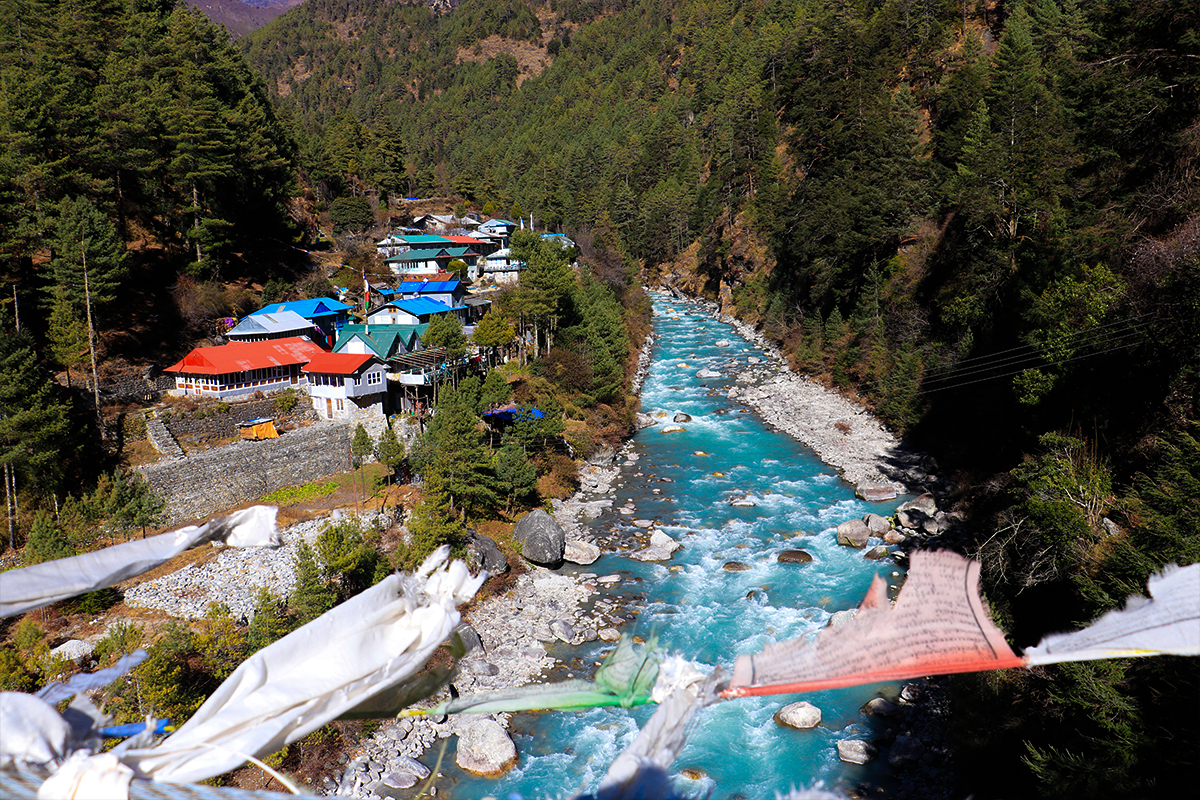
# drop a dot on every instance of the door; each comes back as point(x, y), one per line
point(328, 408)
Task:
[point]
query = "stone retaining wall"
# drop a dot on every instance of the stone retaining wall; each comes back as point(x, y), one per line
point(224, 424)
point(244, 471)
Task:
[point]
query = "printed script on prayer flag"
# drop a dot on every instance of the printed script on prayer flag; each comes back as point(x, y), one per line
point(938, 626)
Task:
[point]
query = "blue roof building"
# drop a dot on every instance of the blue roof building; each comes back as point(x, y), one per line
point(327, 315)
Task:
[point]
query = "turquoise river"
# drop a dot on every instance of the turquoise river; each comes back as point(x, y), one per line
point(685, 481)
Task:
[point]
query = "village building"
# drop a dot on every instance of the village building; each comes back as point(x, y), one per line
point(342, 384)
point(502, 229)
point(559, 239)
point(242, 368)
point(500, 267)
point(412, 311)
point(280, 325)
point(326, 315)
point(445, 223)
point(385, 342)
point(429, 261)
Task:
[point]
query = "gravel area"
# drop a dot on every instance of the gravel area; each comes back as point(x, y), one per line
point(233, 578)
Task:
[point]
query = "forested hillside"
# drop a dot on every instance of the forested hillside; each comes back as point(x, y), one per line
point(140, 162)
point(981, 218)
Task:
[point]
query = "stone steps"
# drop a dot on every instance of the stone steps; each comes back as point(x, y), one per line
point(162, 439)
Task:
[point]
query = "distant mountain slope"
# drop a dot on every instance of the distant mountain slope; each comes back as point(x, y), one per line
point(240, 18)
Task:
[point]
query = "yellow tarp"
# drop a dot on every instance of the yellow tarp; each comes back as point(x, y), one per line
point(263, 430)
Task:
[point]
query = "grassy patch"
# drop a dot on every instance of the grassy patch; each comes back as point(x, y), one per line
point(299, 494)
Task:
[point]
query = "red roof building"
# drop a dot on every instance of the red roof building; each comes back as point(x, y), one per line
point(244, 367)
point(343, 383)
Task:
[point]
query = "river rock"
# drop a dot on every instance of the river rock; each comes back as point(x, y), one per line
point(880, 707)
point(645, 421)
point(404, 772)
point(608, 634)
point(578, 552)
point(673, 429)
point(682, 417)
point(480, 667)
point(875, 493)
point(542, 540)
point(562, 630)
point(877, 524)
point(651, 553)
point(853, 533)
point(484, 554)
point(802, 716)
point(484, 748)
point(914, 513)
point(721, 343)
point(735, 566)
point(470, 637)
point(877, 553)
point(743, 502)
point(894, 537)
point(794, 557)
point(663, 540)
point(905, 750)
point(643, 523)
point(855, 751)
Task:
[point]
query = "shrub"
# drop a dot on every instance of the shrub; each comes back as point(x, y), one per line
point(350, 214)
point(286, 401)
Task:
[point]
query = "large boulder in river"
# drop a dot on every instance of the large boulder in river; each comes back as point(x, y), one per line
point(800, 715)
point(853, 533)
point(681, 417)
point(914, 513)
point(484, 553)
point(875, 493)
point(794, 557)
point(855, 751)
point(541, 539)
point(485, 748)
point(878, 525)
point(578, 552)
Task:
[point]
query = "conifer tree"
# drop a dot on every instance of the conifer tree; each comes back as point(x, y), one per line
point(47, 541)
point(389, 451)
point(493, 332)
point(361, 446)
point(33, 421)
point(268, 623)
point(516, 475)
point(312, 596)
point(67, 334)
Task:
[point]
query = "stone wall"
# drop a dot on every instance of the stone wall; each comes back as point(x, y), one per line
point(242, 472)
point(224, 424)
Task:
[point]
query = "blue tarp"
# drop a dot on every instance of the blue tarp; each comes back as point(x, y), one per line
point(513, 413)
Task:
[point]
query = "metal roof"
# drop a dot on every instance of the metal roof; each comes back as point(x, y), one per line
point(278, 322)
point(243, 356)
point(337, 363)
point(313, 307)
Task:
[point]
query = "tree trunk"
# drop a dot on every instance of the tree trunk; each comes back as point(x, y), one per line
point(8, 506)
point(196, 222)
point(87, 296)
